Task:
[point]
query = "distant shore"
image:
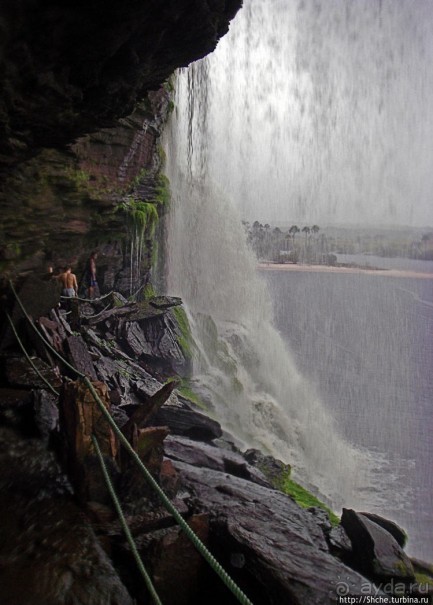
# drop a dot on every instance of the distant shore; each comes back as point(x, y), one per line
point(343, 269)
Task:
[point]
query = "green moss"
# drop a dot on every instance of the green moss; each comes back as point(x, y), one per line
point(302, 496)
point(305, 499)
point(161, 154)
point(142, 174)
point(424, 579)
point(162, 190)
point(141, 215)
point(148, 291)
point(184, 337)
point(188, 393)
point(169, 84)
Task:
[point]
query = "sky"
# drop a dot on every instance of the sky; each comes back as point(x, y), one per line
point(320, 111)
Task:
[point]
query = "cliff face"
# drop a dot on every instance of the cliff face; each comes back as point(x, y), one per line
point(79, 123)
point(72, 67)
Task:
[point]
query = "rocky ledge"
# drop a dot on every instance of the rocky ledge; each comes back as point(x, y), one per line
point(61, 532)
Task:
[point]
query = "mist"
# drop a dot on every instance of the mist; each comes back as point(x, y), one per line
point(320, 112)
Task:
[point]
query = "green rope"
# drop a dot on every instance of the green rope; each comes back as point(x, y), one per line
point(51, 388)
point(44, 340)
point(231, 585)
point(207, 555)
point(130, 539)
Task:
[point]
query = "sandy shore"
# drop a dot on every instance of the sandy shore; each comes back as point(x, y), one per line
point(328, 269)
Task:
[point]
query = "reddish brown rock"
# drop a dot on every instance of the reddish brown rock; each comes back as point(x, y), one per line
point(80, 418)
point(169, 478)
point(177, 565)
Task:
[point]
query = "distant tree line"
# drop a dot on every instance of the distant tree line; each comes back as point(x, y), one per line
point(297, 244)
point(310, 244)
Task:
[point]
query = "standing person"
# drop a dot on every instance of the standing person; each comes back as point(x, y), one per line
point(69, 283)
point(91, 275)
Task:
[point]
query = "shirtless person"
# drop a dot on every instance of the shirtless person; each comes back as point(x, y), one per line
point(90, 275)
point(69, 283)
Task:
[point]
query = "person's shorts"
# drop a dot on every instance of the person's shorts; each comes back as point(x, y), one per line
point(93, 283)
point(70, 292)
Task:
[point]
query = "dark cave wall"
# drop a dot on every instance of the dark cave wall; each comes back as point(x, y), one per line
point(82, 107)
point(69, 68)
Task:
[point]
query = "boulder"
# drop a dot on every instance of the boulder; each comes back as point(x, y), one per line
point(397, 532)
point(79, 357)
point(177, 565)
point(153, 334)
point(181, 420)
point(165, 302)
point(20, 373)
point(135, 340)
point(339, 542)
point(206, 455)
point(141, 414)
point(278, 548)
point(375, 551)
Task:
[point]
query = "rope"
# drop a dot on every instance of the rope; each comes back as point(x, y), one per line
point(231, 585)
point(207, 555)
point(51, 388)
point(44, 340)
point(89, 300)
point(130, 539)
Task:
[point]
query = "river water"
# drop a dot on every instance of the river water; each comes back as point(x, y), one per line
point(366, 344)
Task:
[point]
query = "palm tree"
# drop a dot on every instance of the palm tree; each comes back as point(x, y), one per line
point(307, 231)
point(294, 229)
point(315, 230)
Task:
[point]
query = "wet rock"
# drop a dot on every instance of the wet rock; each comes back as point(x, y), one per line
point(375, 551)
point(339, 542)
point(49, 554)
point(20, 373)
point(148, 443)
point(397, 532)
point(272, 468)
point(118, 414)
point(135, 339)
point(79, 357)
point(284, 549)
point(162, 337)
point(424, 578)
point(150, 405)
point(53, 332)
point(187, 422)
point(169, 478)
point(209, 456)
point(37, 296)
point(165, 302)
point(177, 565)
point(46, 413)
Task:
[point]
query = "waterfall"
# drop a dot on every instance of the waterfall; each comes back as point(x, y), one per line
point(272, 126)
